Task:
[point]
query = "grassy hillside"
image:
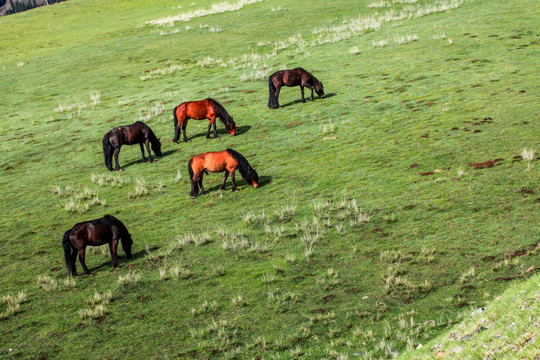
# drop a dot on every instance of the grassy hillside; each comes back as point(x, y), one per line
point(507, 328)
point(385, 209)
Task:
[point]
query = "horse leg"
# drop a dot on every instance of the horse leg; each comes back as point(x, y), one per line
point(116, 153)
point(222, 187)
point(184, 125)
point(200, 184)
point(73, 261)
point(113, 247)
point(142, 152)
point(278, 89)
point(215, 130)
point(148, 150)
point(233, 182)
point(208, 131)
point(83, 263)
point(302, 92)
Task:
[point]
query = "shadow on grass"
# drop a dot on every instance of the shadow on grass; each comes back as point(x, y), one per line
point(122, 260)
point(240, 183)
point(326, 96)
point(240, 130)
point(156, 158)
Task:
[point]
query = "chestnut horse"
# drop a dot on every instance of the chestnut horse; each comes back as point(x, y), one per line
point(294, 77)
point(204, 109)
point(105, 230)
point(137, 133)
point(226, 160)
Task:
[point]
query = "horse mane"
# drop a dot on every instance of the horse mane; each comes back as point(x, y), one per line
point(156, 144)
point(222, 113)
point(248, 173)
point(125, 237)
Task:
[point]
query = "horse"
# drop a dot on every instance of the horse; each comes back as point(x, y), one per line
point(294, 77)
point(227, 160)
point(136, 133)
point(203, 109)
point(105, 230)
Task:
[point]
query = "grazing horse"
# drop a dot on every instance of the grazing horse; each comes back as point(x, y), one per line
point(106, 230)
point(226, 160)
point(204, 109)
point(137, 133)
point(294, 77)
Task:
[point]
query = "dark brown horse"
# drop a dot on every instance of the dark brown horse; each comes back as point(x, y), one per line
point(294, 77)
point(226, 160)
point(204, 109)
point(137, 133)
point(106, 230)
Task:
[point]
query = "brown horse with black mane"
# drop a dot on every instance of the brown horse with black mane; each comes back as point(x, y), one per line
point(294, 77)
point(204, 109)
point(137, 133)
point(105, 230)
point(227, 161)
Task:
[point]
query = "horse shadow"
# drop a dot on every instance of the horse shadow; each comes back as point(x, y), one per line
point(156, 158)
point(240, 183)
point(122, 260)
point(240, 130)
point(294, 102)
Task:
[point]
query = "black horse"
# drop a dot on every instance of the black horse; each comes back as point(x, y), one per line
point(105, 230)
point(294, 77)
point(137, 133)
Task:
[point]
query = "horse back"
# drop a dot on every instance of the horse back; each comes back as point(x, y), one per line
point(198, 110)
point(217, 161)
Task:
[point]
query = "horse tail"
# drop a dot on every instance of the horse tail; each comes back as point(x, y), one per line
point(272, 99)
point(248, 173)
point(67, 251)
point(191, 175)
point(108, 151)
point(175, 118)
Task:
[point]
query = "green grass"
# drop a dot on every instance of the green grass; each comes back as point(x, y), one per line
point(506, 328)
point(374, 259)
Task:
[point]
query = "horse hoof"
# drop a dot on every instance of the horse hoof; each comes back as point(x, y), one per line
point(90, 274)
point(120, 169)
point(117, 268)
point(188, 141)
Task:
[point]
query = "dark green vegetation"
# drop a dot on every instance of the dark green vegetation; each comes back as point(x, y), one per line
point(385, 229)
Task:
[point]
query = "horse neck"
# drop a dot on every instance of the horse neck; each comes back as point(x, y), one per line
point(222, 113)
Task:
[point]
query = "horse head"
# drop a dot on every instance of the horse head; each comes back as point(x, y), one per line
point(156, 147)
point(319, 89)
point(255, 179)
point(127, 242)
point(232, 127)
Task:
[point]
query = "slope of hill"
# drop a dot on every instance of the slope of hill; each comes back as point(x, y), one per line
point(506, 328)
point(385, 210)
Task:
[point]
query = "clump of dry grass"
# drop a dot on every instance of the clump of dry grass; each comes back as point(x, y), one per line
point(47, 283)
point(129, 278)
point(13, 304)
point(98, 305)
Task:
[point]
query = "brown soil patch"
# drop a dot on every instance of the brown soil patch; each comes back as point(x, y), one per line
point(407, 300)
point(329, 297)
point(426, 173)
point(525, 191)
point(412, 166)
point(483, 165)
point(477, 131)
point(351, 290)
point(455, 128)
point(488, 258)
point(505, 279)
point(425, 136)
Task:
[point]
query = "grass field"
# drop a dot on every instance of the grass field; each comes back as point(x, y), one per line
point(386, 211)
